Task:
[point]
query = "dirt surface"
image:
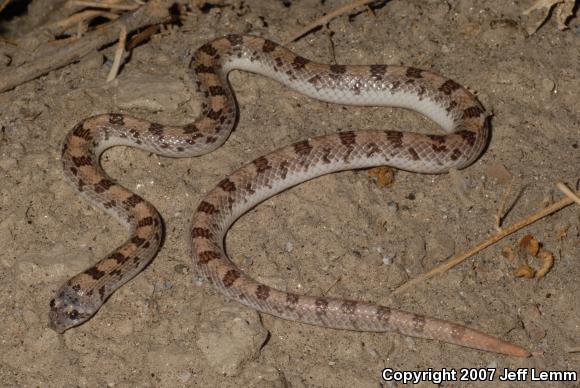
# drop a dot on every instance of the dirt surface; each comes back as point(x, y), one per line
point(340, 235)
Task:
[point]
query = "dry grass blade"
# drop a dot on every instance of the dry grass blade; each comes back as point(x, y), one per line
point(328, 17)
point(93, 4)
point(501, 210)
point(569, 193)
point(118, 54)
point(142, 37)
point(457, 259)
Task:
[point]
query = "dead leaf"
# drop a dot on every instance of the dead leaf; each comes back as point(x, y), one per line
point(524, 271)
point(529, 244)
point(385, 175)
point(546, 263)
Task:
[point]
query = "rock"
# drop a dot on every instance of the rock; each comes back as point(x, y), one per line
point(184, 377)
point(230, 337)
point(288, 247)
point(548, 85)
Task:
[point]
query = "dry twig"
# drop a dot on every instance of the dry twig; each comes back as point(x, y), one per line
point(328, 17)
point(142, 36)
point(92, 4)
point(569, 193)
point(118, 54)
point(500, 211)
point(457, 259)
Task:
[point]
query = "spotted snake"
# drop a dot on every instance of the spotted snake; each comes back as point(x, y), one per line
point(444, 101)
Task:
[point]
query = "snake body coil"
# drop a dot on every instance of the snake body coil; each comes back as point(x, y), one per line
point(442, 100)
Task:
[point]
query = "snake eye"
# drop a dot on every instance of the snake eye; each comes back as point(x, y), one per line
point(52, 303)
point(73, 315)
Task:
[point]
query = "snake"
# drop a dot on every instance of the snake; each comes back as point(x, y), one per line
point(456, 110)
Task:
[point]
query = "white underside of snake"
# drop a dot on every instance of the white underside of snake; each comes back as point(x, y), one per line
point(444, 101)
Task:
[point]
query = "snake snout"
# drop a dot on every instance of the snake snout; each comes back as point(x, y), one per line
point(67, 310)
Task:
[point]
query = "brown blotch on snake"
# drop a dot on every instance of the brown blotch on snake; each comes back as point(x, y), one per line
point(262, 165)
point(413, 153)
point(207, 256)
point(456, 111)
point(348, 307)
point(119, 257)
point(269, 46)
point(206, 207)
point(116, 119)
point(419, 323)
point(321, 305)
point(262, 292)
point(230, 277)
point(449, 87)
point(227, 185)
point(302, 148)
point(95, 273)
point(413, 72)
point(133, 200)
point(337, 69)
point(80, 161)
point(299, 63)
point(455, 154)
point(378, 71)
point(201, 233)
point(383, 314)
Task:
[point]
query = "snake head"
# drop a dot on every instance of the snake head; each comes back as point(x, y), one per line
point(68, 309)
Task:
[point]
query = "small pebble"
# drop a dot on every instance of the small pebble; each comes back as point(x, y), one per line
point(289, 247)
point(393, 206)
point(548, 85)
point(388, 259)
point(181, 269)
point(373, 352)
point(247, 261)
point(184, 377)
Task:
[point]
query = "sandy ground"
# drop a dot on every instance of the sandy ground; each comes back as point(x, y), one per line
point(340, 235)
